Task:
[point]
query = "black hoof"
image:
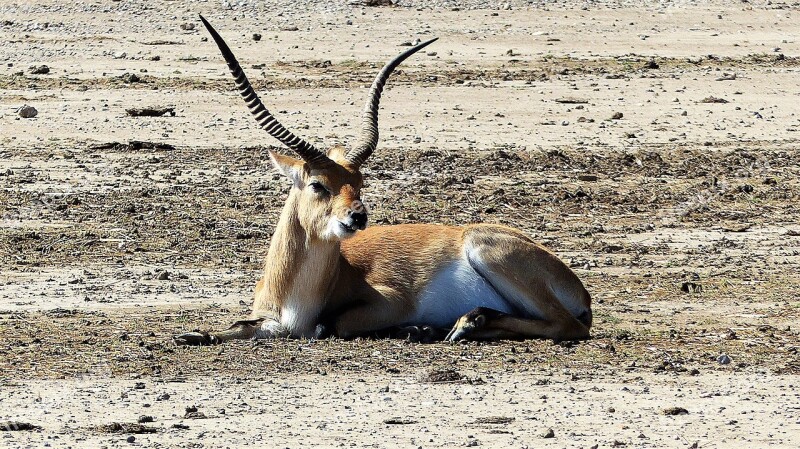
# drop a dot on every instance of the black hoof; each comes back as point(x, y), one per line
point(323, 331)
point(195, 339)
point(472, 321)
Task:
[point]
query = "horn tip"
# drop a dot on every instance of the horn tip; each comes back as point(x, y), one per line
point(205, 22)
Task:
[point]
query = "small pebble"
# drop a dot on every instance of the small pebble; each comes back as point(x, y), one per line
point(38, 70)
point(723, 359)
point(27, 111)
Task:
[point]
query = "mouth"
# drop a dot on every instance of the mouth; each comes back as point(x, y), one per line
point(348, 228)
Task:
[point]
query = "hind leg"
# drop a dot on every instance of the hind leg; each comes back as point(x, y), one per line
point(482, 323)
point(549, 299)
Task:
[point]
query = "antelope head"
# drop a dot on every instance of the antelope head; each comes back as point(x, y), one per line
point(326, 186)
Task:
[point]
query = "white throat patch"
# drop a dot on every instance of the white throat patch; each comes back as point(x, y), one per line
point(301, 309)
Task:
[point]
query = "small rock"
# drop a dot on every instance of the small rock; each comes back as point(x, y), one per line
point(723, 359)
point(713, 99)
point(187, 26)
point(589, 178)
point(130, 78)
point(130, 439)
point(674, 411)
point(549, 433)
point(17, 426)
point(38, 70)
point(399, 421)
point(651, 64)
point(195, 415)
point(616, 116)
point(27, 111)
point(163, 276)
point(145, 419)
point(727, 77)
point(256, 37)
point(691, 287)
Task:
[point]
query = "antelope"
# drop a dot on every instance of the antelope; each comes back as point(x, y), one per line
point(327, 274)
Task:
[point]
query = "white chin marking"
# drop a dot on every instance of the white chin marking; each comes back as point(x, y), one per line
point(335, 230)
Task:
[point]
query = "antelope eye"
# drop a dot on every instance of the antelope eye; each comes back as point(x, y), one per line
point(318, 187)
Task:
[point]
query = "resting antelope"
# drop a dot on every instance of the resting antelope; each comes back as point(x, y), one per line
point(327, 274)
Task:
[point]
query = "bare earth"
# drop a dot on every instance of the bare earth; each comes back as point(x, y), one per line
point(680, 216)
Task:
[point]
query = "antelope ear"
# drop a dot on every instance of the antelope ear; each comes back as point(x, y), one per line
point(291, 168)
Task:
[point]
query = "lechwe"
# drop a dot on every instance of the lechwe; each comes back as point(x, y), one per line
point(326, 275)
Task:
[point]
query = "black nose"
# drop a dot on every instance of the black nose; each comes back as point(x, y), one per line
point(359, 219)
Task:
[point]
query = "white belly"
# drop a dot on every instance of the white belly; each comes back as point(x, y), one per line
point(454, 291)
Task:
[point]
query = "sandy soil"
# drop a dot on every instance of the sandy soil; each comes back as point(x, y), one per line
point(108, 248)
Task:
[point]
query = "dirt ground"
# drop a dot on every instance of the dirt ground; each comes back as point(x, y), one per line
point(653, 146)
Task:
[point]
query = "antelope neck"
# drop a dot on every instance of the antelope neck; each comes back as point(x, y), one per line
point(299, 270)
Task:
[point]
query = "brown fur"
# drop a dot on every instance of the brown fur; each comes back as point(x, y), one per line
point(374, 279)
point(320, 271)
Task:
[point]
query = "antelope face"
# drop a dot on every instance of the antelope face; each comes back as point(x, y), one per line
point(327, 187)
point(328, 198)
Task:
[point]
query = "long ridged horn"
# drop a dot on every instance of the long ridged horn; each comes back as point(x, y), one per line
point(266, 120)
point(369, 118)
